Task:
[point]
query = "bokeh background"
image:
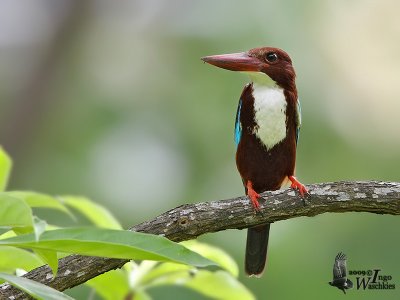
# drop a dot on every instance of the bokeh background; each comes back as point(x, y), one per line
point(109, 99)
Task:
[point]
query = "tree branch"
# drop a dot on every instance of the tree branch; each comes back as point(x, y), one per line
point(189, 221)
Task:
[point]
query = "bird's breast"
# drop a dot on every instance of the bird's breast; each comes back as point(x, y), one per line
point(269, 115)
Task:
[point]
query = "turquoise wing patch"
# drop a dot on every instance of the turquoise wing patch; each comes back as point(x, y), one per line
point(238, 125)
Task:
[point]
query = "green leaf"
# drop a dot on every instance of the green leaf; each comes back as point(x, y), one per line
point(141, 295)
point(49, 257)
point(111, 285)
point(14, 212)
point(35, 289)
point(219, 285)
point(34, 199)
point(137, 271)
point(39, 226)
point(164, 269)
point(7, 234)
point(215, 254)
point(11, 233)
point(110, 243)
point(12, 258)
point(96, 213)
point(216, 285)
point(5, 169)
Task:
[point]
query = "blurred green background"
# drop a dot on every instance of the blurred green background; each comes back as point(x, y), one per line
point(109, 99)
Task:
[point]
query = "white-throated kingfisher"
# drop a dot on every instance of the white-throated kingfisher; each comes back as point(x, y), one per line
point(266, 133)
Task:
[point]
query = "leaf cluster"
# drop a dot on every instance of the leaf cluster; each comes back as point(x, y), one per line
point(27, 242)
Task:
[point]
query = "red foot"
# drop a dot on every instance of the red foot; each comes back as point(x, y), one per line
point(253, 195)
point(297, 185)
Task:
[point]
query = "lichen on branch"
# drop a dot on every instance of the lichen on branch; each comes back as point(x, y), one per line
point(189, 221)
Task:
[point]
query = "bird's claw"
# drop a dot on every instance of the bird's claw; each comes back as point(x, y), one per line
point(297, 185)
point(254, 196)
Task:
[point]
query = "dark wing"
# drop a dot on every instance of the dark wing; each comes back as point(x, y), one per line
point(298, 119)
point(238, 124)
point(340, 268)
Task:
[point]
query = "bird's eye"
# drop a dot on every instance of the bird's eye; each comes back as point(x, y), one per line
point(271, 57)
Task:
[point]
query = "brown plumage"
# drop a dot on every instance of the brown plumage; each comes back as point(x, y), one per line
point(264, 167)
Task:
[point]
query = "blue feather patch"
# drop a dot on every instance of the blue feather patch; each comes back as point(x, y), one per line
point(238, 125)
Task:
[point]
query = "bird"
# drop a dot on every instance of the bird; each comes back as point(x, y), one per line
point(340, 279)
point(266, 133)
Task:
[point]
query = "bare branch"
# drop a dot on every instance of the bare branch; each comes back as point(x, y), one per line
point(191, 220)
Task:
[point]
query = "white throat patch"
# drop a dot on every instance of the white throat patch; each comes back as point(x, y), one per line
point(269, 110)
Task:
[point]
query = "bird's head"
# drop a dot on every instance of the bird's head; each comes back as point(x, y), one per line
point(266, 63)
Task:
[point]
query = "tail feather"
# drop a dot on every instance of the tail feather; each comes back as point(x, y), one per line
point(256, 249)
point(349, 284)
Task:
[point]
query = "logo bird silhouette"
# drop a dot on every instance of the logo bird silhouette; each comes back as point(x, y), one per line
point(340, 279)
